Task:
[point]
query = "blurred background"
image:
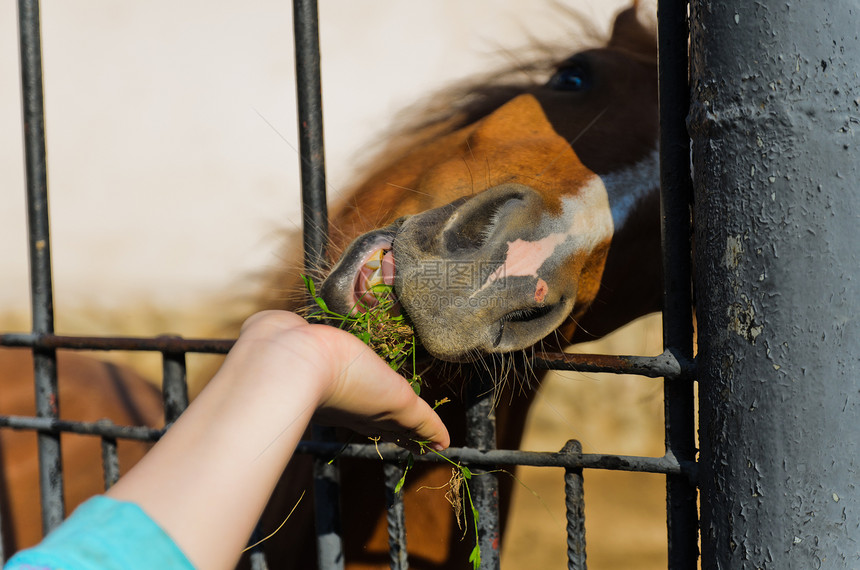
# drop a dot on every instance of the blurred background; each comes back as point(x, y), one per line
point(173, 172)
point(172, 134)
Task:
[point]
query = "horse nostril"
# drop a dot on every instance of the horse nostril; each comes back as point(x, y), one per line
point(475, 222)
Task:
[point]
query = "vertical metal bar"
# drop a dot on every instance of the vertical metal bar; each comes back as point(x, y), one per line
point(676, 199)
point(776, 162)
point(396, 517)
point(174, 385)
point(45, 362)
point(574, 494)
point(110, 461)
point(258, 556)
point(315, 239)
point(327, 509)
point(311, 148)
point(2, 542)
point(484, 486)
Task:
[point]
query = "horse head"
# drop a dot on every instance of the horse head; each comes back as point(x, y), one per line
point(503, 230)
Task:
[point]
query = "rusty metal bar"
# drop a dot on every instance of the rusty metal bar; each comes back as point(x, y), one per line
point(257, 556)
point(390, 452)
point(575, 507)
point(669, 364)
point(110, 461)
point(44, 360)
point(315, 240)
point(101, 428)
point(174, 385)
point(484, 484)
point(666, 364)
point(157, 344)
point(2, 540)
point(398, 558)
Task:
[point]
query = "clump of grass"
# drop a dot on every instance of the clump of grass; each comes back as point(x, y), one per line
point(379, 326)
point(388, 333)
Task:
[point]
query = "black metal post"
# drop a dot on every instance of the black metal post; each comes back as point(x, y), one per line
point(45, 360)
point(315, 234)
point(777, 210)
point(675, 205)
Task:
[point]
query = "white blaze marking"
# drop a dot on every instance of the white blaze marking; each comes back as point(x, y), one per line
point(586, 221)
point(525, 257)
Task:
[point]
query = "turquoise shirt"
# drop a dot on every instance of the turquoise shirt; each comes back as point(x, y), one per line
point(103, 534)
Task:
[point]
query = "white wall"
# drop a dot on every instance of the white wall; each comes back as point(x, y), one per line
point(166, 179)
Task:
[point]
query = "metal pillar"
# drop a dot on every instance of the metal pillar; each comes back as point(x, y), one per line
point(675, 198)
point(775, 107)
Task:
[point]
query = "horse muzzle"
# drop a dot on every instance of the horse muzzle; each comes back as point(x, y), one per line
point(473, 276)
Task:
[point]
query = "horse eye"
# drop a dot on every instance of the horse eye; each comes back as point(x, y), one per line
point(570, 78)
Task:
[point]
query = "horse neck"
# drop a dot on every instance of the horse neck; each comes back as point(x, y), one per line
point(629, 186)
point(631, 285)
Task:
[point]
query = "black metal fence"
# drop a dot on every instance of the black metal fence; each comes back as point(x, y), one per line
point(675, 365)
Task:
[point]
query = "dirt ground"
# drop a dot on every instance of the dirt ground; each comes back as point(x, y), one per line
point(625, 513)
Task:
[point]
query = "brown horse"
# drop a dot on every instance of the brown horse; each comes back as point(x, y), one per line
point(89, 390)
point(525, 216)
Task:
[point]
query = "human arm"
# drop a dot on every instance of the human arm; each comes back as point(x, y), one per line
point(221, 460)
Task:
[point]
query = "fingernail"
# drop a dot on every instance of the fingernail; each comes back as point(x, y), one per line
point(437, 446)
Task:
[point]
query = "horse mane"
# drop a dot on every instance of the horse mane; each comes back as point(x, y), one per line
point(447, 110)
point(468, 100)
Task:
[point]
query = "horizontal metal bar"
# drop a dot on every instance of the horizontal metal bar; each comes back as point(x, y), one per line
point(102, 428)
point(388, 451)
point(502, 457)
point(669, 364)
point(160, 344)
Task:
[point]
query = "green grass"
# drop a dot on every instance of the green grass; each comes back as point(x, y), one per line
point(389, 335)
point(380, 327)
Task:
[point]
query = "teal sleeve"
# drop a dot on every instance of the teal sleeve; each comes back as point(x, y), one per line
point(103, 534)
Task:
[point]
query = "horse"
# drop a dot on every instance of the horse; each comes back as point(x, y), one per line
point(523, 217)
point(526, 216)
point(89, 390)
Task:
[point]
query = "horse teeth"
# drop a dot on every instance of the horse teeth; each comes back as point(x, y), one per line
point(374, 278)
point(375, 260)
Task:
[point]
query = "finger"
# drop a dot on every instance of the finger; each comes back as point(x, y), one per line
point(421, 423)
point(375, 400)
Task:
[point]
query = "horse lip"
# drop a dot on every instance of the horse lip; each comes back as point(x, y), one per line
point(522, 319)
point(338, 289)
point(375, 269)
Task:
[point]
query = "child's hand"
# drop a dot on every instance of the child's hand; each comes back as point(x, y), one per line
point(356, 388)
